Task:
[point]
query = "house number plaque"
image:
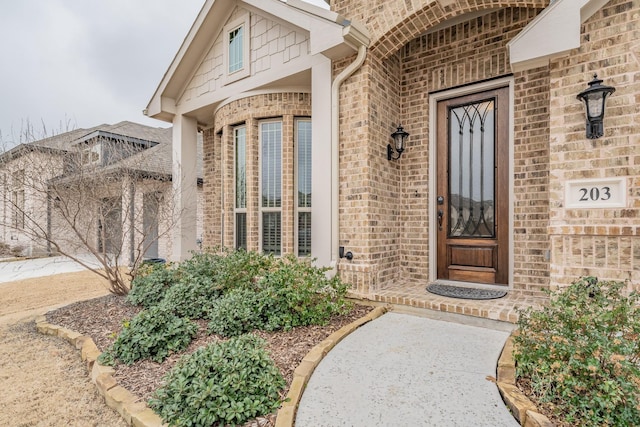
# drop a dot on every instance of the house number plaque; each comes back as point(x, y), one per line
point(596, 193)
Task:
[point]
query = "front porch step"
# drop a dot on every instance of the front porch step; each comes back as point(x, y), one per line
point(415, 295)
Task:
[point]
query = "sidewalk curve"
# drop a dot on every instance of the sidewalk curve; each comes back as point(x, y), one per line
point(11, 271)
point(405, 370)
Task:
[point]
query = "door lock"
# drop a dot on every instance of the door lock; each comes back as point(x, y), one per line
point(440, 200)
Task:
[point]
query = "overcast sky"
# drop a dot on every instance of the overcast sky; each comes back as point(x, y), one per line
point(79, 63)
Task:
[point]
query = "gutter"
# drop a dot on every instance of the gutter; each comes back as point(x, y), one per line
point(356, 38)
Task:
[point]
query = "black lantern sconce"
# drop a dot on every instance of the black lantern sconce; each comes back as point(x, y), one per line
point(594, 98)
point(399, 138)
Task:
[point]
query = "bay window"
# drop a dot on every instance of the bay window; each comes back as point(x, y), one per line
point(303, 186)
point(271, 186)
point(240, 187)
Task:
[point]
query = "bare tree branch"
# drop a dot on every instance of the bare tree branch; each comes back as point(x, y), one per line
point(75, 196)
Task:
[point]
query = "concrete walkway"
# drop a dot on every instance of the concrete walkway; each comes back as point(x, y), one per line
point(39, 267)
point(405, 370)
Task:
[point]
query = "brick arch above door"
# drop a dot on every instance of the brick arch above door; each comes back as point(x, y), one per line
point(393, 23)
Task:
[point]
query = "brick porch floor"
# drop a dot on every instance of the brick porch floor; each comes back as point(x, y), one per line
point(416, 295)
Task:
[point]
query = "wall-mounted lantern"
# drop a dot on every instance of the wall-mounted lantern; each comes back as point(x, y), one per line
point(399, 138)
point(594, 98)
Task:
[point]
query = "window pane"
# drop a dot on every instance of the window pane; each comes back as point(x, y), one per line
point(235, 50)
point(471, 166)
point(241, 168)
point(304, 163)
point(241, 231)
point(304, 233)
point(271, 233)
point(271, 136)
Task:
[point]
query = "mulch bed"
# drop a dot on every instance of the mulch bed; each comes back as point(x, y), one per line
point(102, 318)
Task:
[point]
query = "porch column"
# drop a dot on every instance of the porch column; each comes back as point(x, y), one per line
point(321, 155)
point(185, 191)
point(127, 218)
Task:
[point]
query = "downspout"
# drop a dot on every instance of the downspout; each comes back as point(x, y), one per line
point(335, 153)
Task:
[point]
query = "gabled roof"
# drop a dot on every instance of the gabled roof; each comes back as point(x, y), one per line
point(129, 132)
point(156, 161)
point(330, 34)
point(66, 140)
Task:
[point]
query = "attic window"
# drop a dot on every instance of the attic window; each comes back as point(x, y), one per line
point(91, 155)
point(235, 50)
point(236, 44)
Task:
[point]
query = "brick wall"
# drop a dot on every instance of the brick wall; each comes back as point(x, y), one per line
point(599, 242)
point(369, 183)
point(212, 206)
point(531, 180)
point(384, 208)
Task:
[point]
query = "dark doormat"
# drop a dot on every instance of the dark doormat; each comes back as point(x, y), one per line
point(463, 292)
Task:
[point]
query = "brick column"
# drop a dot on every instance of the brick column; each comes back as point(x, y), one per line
point(288, 174)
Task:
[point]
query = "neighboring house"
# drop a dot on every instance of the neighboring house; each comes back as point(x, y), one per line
point(498, 184)
point(109, 185)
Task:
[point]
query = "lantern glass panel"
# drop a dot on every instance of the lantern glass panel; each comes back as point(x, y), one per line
point(594, 104)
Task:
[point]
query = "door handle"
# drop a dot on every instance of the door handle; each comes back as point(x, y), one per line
point(440, 216)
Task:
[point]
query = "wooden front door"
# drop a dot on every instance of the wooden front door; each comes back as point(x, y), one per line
point(473, 194)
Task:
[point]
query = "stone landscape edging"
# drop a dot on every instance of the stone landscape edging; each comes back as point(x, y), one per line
point(131, 408)
point(522, 408)
point(136, 412)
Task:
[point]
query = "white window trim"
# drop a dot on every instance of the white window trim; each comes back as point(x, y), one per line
point(91, 154)
point(242, 21)
point(237, 210)
point(262, 209)
point(296, 193)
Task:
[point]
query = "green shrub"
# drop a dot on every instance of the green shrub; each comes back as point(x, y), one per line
point(224, 383)
point(154, 334)
point(200, 268)
point(207, 276)
point(581, 354)
point(236, 313)
point(192, 300)
point(225, 269)
point(293, 293)
point(298, 294)
point(151, 284)
point(241, 269)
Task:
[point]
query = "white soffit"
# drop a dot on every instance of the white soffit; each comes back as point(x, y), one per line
point(552, 33)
